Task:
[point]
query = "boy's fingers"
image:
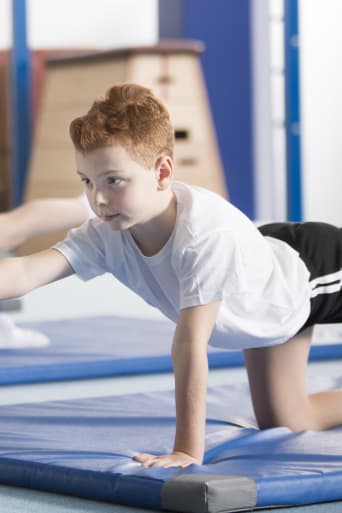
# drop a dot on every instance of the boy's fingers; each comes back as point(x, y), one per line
point(167, 461)
point(148, 460)
point(143, 457)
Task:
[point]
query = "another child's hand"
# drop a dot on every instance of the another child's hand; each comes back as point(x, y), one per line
point(175, 459)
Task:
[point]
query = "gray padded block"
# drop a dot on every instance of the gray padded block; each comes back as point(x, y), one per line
point(208, 493)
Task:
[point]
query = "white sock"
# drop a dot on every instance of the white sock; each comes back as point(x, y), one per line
point(12, 337)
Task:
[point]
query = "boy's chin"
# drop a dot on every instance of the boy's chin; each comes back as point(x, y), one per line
point(119, 224)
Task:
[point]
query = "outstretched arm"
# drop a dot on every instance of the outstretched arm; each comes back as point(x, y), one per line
point(189, 356)
point(19, 275)
point(39, 217)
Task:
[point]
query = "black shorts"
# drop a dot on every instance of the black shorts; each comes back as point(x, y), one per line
point(320, 247)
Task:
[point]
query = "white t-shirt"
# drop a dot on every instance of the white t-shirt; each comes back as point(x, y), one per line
point(214, 253)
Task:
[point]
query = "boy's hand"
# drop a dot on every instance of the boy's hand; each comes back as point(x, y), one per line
point(175, 459)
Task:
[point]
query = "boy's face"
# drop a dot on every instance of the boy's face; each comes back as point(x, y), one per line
point(120, 191)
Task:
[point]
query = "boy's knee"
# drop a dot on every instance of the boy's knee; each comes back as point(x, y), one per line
point(290, 424)
point(296, 421)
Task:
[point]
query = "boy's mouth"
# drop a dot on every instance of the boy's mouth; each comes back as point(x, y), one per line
point(106, 217)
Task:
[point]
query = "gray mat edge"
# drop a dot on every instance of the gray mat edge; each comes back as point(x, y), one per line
point(208, 493)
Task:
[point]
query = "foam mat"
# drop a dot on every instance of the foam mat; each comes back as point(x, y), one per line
point(85, 448)
point(109, 346)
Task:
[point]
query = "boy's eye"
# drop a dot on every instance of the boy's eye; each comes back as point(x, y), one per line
point(114, 181)
point(85, 180)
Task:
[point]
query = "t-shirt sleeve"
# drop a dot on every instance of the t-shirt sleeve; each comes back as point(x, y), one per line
point(84, 249)
point(211, 269)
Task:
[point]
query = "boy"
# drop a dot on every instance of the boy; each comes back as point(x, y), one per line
point(201, 262)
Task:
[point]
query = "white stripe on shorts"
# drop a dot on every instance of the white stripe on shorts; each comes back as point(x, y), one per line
point(327, 284)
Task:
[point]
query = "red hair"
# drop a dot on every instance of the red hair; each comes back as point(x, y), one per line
point(131, 116)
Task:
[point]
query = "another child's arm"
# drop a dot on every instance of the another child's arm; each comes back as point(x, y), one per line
point(19, 275)
point(39, 217)
point(190, 362)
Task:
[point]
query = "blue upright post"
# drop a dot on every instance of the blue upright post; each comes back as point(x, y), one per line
point(292, 108)
point(224, 26)
point(21, 100)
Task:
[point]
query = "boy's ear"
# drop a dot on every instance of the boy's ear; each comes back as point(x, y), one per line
point(164, 171)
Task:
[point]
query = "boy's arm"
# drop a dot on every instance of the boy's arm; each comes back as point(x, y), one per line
point(190, 362)
point(19, 275)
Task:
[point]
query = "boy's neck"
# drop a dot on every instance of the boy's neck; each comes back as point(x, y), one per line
point(152, 236)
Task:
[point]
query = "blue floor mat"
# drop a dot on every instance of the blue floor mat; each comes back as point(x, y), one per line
point(108, 346)
point(84, 448)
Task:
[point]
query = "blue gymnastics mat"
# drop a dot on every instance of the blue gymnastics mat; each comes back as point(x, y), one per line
point(84, 448)
point(109, 346)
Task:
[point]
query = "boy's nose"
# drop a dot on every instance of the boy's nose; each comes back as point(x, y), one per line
point(100, 199)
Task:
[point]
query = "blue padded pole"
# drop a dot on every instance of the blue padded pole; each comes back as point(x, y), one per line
point(21, 100)
point(292, 110)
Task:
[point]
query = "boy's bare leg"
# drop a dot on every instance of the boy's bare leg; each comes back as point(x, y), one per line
point(277, 380)
point(39, 217)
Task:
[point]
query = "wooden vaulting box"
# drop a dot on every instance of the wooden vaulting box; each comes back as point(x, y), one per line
point(171, 69)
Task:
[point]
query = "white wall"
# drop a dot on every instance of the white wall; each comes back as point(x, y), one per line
point(321, 100)
point(268, 105)
point(85, 23)
point(321, 109)
point(5, 24)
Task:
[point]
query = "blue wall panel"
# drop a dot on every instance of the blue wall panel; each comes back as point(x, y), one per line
point(21, 99)
point(224, 27)
point(292, 107)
